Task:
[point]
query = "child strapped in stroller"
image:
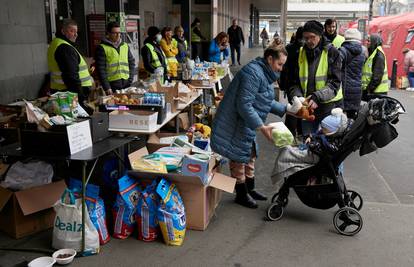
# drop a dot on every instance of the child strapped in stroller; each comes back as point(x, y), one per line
point(315, 174)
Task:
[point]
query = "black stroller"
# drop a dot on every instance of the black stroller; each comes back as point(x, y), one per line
point(372, 129)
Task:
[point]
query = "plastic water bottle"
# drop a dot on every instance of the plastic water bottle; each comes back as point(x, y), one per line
point(197, 60)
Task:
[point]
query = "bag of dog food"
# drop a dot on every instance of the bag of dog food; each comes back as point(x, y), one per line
point(96, 207)
point(171, 213)
point(146, 213)
point(124, 207)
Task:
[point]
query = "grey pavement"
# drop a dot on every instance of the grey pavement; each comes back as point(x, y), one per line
point(239, 236)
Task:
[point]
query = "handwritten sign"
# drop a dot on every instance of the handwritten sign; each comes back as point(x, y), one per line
point(79, 136)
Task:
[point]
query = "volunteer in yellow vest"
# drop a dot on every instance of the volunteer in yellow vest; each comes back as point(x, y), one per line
point(196, 38)
point(170, 50)
point(115, 64)
point(318, 75)
point(331, 34)
point(152, 55)
point(374, 72)
point(181, 43)
point(68, 70)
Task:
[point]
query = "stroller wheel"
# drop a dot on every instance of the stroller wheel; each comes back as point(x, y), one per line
point(275, 211)
point(275, 199)
point(355, 200)
point(347, 221)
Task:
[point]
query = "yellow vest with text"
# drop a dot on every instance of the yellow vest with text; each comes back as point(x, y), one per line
point(321, 75)
point(155, 61)
point(117, 66)
point(194, 37)
point(56, 81)
point(367, 73)
point(337, 42)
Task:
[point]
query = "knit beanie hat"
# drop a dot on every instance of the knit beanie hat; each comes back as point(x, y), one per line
point(152, 31)
point(353, 35)
point(313, 26)
point(336, 122)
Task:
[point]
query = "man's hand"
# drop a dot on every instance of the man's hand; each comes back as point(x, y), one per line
point(267, 132)
point(312, 104)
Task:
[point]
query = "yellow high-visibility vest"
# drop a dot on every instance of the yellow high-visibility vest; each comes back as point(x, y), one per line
point(117, 66)
point(194, 37)
point(321, 75)
point(155, 61)
point(367, 73)
point(337, 42)
point(56, 81)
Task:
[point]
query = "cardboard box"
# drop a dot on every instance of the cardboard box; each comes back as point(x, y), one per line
point(200, 200)
point(133, 119)
point(171, 93)
point(201, 83)
point(29, 211)
point(197, 167)
point(153, 142)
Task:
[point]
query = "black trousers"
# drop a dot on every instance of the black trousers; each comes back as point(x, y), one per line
point(235, 48)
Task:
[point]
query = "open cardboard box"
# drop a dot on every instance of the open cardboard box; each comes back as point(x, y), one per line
point(153, 142)
point(200, 201)
point(29, 211)
point(171, 93)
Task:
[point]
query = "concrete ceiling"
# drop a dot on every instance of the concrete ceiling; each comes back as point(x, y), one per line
point(268, 6)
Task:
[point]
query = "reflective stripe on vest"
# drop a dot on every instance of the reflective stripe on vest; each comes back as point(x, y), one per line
point(337, 42)
point(56, 81)
point(117, 66)
point(194, 37)
point(155, 61)
point(321, 75)
point(367, 73)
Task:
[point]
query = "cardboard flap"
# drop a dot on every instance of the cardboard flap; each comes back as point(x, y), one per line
point(137, 154)
point(223, 182)
point(40, 197)
point(5, 195)
point(173, 177)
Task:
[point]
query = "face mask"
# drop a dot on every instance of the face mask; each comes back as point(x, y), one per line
point(158, 38)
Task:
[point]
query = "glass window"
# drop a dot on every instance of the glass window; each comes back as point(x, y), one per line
point(409, 37)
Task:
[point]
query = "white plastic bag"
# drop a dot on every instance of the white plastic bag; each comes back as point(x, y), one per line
point(281, 134)
point(67, 229)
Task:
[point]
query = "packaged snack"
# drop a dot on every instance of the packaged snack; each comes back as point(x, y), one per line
point(67, 103)
point(96, 207)
point(124, 207)
point(171, 213)
point(149, 163)
point(146, 213)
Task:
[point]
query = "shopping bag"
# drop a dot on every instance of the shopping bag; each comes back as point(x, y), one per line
point(67, 229)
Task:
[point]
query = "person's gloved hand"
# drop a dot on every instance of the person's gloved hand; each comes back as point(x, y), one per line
point(295, 106)
point(311, 103)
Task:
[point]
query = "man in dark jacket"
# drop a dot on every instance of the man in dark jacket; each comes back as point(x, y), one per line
point(287, 76)
point(318, 75)
point(375, 72)
point(235, 38)
point(353, 58)
point(68, 69)
point(152, 55)
point(114, 61)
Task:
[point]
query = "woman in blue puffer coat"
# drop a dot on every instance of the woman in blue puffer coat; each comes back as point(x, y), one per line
point(243, 110)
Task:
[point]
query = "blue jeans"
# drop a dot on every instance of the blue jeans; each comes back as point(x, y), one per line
point(410, 77)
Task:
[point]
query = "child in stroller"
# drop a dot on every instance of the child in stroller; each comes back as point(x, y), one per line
point(316, 177)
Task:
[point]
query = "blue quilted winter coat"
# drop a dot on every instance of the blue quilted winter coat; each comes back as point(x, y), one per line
point(245, 106)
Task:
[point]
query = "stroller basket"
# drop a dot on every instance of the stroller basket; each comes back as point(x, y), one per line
point(321, 196)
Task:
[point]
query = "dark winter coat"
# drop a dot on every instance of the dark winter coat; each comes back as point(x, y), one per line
point(287, 76)
point(100, 62)
point(378, 63)
point(235, 35)
point(146, 56)
point(333, 83)
point(68, 60)
point(353, 58)
point(244, 108)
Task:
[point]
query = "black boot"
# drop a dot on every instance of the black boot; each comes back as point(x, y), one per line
point(243, 198)
point(253, 193)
